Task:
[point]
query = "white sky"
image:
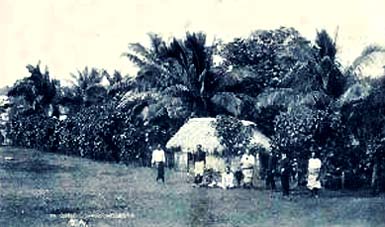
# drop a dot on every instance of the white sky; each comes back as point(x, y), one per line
point(71, 34)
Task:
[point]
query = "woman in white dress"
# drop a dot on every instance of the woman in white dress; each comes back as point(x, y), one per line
point(313, 179)
point(247, 166)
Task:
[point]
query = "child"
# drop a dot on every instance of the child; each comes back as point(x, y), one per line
point(227, 179)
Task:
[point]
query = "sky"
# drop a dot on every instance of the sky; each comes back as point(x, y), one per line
point(69, 35)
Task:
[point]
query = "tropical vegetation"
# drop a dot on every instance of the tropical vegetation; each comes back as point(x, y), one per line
point(295, 90)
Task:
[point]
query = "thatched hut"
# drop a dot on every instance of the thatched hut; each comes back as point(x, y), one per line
point(202, 131)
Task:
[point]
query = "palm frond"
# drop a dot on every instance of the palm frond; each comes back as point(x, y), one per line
point(228, 101)
point(355, 92)
point(281, 96)
point(157, 44)
point(195, 42)
point(368, 55)
point(139, 49)
point(176, 51)
point(327, 47)
point(177, 90)
point(134, 59)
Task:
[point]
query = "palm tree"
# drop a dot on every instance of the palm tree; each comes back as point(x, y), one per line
point(191, 60)
point(87, 86)
point(181, 69)
point(152, 64)
point(360, 87)
point(327, 46)
point(333, 80)
point(367, 56)
point(38, 91)
point(118, 84)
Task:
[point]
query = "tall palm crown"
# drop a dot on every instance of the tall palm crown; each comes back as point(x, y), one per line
point(180, 69)
point(38, 90)
point(87, 85)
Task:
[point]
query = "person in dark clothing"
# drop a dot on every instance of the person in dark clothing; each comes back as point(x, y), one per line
point(160, 172)
point(1, 139)
point(238, 177)
point(270, 178)
point(199, 164)
point(285, 175)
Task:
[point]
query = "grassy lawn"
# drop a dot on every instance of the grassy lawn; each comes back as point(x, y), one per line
point(40, 189)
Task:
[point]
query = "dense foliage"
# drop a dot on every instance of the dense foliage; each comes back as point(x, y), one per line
point(95, 132)
point(232, 134)
point(295, 91)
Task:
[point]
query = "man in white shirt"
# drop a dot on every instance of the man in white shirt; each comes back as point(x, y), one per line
point(159, 159)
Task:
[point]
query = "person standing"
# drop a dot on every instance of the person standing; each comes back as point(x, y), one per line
point(199, 164)
point(313, 177)
point(294, 176)
point(158, 159)
point(271, 172)
point(238, 175)
point(285, 174)
point(247, 166)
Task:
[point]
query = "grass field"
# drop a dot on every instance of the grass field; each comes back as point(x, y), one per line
point(40, 189)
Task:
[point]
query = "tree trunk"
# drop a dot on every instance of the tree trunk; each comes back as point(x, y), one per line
point(374, 178)
point(343, 180)
point(374, 175)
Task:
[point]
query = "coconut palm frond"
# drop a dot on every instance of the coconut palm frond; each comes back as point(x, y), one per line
point(134, 59)
point(228, 101)
point(86, 84)
point(177, 51)
point(177, 90)
point(157, 44)
point(368, 56)
point(372, 49)
point(138, 48)
point(281, 96)
point(355, 92)
point(195, 42)
point(327, 46)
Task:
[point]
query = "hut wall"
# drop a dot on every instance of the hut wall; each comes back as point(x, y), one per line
point(216, 163)
point(181, 161)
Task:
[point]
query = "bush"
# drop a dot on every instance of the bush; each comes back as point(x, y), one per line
point(99, 132)
point(35, 131)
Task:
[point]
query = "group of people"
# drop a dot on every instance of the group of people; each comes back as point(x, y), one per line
point(243, 176)
point(288, 170)
point(228, 179)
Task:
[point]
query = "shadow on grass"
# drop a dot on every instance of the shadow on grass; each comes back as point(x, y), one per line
point(35, 166)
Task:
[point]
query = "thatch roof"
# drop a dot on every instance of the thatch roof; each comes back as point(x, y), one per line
point(202, 131)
